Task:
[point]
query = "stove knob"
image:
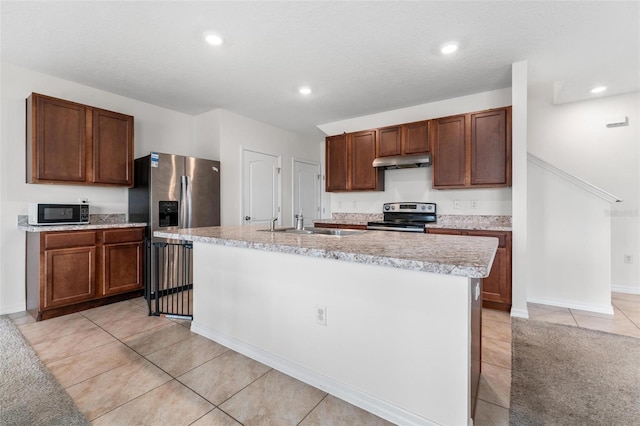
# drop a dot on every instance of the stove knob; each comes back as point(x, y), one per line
point(423, 207)
point(386, 207)
point(393, 207)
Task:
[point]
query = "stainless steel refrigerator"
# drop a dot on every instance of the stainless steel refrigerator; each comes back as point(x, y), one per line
point(173, 192)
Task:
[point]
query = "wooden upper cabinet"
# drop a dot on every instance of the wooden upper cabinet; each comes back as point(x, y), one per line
point(416, 137)
point(112, 148)
point(349, 163)
point(363, 151)
point(336, 163)
point(472, 150)
point(490, 148)
point(71, 143)
point(57, 149)
point(389, 141)
point(448, 137)
point(406, 139)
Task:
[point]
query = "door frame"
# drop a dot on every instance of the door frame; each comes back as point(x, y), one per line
point(293, 185)
point(278, 181)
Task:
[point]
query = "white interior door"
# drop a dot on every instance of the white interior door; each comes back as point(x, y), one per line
point(260, 187)
point(306, 190)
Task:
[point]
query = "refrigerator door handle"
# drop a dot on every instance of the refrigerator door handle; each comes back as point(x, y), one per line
point(189, 202)
point(183, 202)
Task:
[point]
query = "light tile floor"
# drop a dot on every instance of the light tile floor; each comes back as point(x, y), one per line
point(123, 367)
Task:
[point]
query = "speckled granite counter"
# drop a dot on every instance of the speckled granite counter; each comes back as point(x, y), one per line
point(96, 221)
point(442, 254)
point(469, 222)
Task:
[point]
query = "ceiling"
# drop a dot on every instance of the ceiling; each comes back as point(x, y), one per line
point(359, 57)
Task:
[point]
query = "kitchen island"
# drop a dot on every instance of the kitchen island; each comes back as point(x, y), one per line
point(387, 321)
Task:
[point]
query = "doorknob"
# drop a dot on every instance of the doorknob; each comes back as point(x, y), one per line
point(247, 218)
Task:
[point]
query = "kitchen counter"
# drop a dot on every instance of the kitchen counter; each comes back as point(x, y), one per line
point(387, 321)
point(96, 221)
point(442, 254)
point(465, 222)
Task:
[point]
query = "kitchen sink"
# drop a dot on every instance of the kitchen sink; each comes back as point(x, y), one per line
point(320, 231)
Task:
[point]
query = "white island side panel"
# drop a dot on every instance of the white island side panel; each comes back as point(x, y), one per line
point(396, 342)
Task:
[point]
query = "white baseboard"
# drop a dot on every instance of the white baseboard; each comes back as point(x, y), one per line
point(353, 396)
point(6, 310)
point(520, 313)
point(601, 309)
point(628, 289)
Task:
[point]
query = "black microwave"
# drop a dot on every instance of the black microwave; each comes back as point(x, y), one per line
point(58, 214)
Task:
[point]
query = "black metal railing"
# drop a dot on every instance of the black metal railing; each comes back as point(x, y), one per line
point(169, 289)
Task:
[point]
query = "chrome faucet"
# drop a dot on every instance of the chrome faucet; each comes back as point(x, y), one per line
point(272, 225)
point(299, 221)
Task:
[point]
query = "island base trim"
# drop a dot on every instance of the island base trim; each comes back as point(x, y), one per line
point(349, 394)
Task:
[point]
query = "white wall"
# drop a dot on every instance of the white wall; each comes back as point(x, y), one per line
point(236, 133)
point(416, 184)
point(574, 138)
point(520, 243)
point(569, 244)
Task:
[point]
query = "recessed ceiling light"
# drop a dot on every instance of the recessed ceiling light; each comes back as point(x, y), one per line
point(449, 47)
point(304, 90)
point(213, 38)
point(599, 89)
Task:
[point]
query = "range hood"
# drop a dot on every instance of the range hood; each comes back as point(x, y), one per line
point(403, 161)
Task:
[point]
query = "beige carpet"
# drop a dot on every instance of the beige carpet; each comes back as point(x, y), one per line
point(29, 394)
point(564, 375)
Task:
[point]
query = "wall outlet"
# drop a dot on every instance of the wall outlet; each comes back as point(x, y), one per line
point(628, 258)
point(456, 204)
point(321, 315)
point(474, 204)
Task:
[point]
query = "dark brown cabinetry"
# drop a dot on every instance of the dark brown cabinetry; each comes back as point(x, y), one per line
point(68, 271)
point(472, 150)
point(122, 260)
point(496, 288)
point(71, 143)
point(349, 163)
point(449, 152)
point(405, 139)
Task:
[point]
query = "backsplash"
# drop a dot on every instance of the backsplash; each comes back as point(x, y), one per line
point(94, 219)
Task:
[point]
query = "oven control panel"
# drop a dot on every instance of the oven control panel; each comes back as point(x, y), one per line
point(409, 207)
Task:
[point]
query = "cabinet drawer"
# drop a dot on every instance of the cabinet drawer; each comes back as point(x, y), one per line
point(53, 240)
point(125, 235)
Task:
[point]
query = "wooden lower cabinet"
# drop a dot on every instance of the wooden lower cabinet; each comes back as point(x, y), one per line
point(69, 271)
point(496, 288)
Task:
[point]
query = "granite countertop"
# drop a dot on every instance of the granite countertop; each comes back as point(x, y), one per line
point(442, 254)
point(96, 221)
point(464, 222)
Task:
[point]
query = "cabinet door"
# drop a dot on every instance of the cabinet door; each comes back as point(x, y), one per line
point(112, 148)
point(449, 152)
point(122, 267)
point(389, 141)
point(58, 151)
point(69, 276)
point(497, 286)
point(490, 148)
point(416, 138)
point(363, 152)
point(336, 163)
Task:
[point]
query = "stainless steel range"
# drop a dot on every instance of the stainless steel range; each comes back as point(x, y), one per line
point(406, 217)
